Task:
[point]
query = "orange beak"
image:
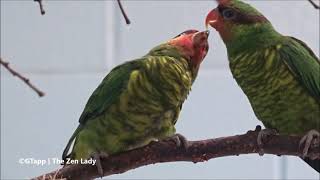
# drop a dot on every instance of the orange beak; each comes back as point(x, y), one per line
point(212, 18)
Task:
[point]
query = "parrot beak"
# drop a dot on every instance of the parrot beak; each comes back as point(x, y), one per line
point(200, 45)
point(205, 33)
point(201, 36)
point(212, 18)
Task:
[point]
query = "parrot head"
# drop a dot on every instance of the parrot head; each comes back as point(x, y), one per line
point(239, 24)
point(192, 44)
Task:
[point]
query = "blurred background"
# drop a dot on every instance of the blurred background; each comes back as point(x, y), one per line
point(69, 50)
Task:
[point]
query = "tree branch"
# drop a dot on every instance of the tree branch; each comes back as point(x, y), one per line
point(42, 11)
point(197, 151)
point(123, 12)
point(24, 79)
point(314, 4)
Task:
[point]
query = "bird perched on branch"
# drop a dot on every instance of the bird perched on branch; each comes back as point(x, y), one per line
point(279, 74)
point(140, 100)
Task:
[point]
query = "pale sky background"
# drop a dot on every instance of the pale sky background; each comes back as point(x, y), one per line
point(68, 51)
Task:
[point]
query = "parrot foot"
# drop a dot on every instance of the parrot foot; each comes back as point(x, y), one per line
point(307, 139)
point(97, 157)
point(179, 140)
point(262, 137)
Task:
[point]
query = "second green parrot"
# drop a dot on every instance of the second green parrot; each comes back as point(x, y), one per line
point(279, 74)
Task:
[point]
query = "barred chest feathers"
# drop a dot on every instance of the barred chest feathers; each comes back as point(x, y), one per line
point(170, 76)
point(273, 92)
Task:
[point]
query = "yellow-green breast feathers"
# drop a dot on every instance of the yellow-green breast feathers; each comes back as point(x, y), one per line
point(136, 103)
point(281, 83)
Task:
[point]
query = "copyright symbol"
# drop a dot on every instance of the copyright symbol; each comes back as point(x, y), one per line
point(21, 161)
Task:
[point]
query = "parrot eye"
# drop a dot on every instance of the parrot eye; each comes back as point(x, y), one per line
point(228, 14)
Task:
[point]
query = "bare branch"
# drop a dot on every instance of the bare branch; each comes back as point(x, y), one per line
point(197, 151)
point(123, 12)
point(42, 11)
point(314, 4)
point(24, 79)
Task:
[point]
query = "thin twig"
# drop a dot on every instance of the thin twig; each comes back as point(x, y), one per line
point(123, 12)
point(42, 11)
point(24, 79)
point(196, 151)
point(314, 4)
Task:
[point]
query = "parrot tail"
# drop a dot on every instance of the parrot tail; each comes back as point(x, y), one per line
point(74, 135)
point(315, 164)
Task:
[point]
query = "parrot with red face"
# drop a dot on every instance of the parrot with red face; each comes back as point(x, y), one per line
point(279, 74)
point(139, 101)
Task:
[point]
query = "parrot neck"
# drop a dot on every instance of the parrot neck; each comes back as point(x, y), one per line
point(251, 37)
point(179, 54)
point(166, 50)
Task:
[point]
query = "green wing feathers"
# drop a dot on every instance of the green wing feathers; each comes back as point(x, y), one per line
point(108, 91)
point(73, 137)
point(105, 95)
point(304, 65)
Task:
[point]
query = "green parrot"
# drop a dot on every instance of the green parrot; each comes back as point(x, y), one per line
point(139, 101)
point(279, 74)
